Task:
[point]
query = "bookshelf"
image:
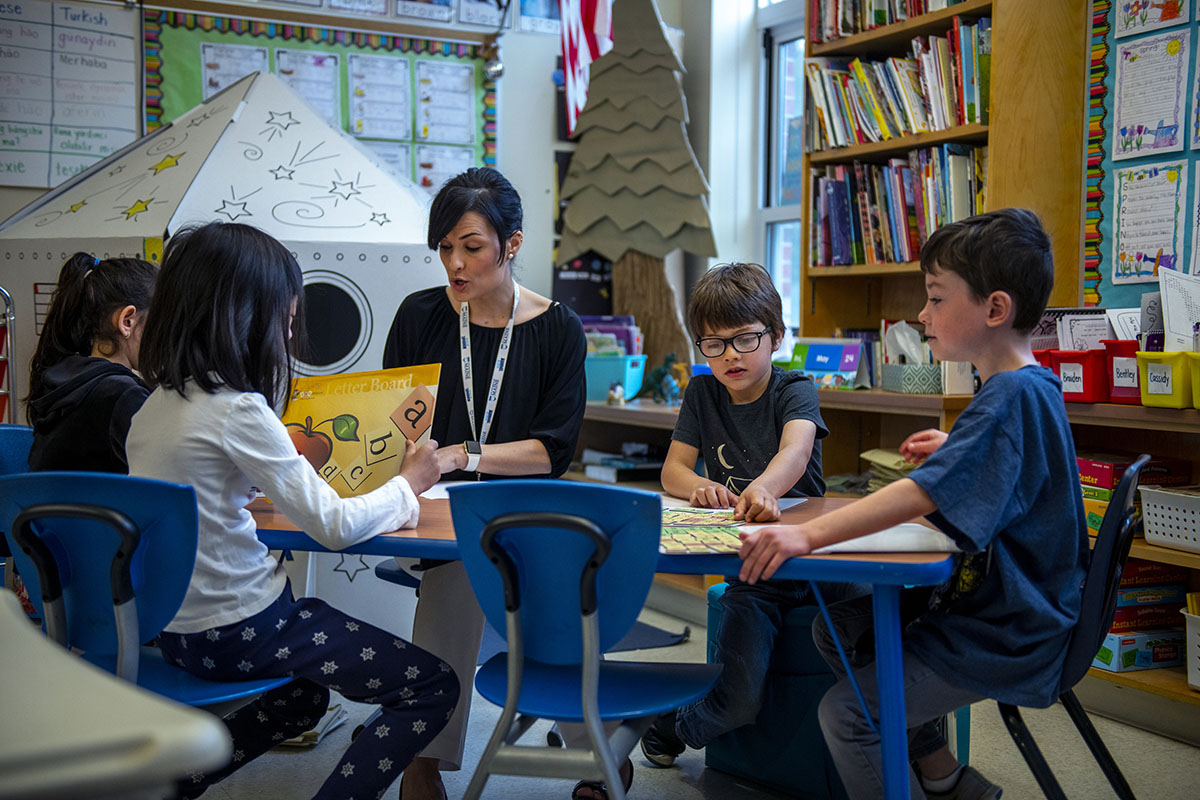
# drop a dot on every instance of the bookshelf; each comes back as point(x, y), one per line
point(1035, 140)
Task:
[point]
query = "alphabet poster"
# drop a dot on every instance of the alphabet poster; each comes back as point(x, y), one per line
point(69, 76)
point(352, 427)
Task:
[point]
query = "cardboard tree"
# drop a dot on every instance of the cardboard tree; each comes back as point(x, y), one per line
point(634, 191)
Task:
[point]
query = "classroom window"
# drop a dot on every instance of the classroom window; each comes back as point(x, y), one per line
point(781, 179)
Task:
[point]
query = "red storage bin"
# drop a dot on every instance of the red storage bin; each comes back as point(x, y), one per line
point(1043, 357)
point(1122, 369)
point(1082, 373)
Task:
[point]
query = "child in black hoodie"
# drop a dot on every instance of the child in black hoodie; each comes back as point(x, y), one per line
point(83, 388)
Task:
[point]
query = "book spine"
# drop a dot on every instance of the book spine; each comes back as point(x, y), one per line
point(873, 104)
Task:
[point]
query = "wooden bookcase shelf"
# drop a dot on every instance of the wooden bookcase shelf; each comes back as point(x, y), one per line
point(858, 270)
point(1167, 682)
point(1115, 415)
point(888, 38)
point(900, 145)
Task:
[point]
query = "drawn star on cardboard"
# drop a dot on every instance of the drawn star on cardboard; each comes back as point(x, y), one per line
point(167, 162)
point(282, 173)
point(233, 210)
point(352, 568)
point(137, 208)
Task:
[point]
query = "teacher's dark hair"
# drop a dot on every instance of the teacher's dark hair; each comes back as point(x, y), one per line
point(222, 311)
point(482, 190)
point(89, 291)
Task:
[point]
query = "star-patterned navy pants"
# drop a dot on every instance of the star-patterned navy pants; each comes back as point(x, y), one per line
point(323, 649)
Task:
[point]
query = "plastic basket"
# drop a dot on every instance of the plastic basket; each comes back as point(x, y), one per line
point(1171, 519)
point(604, 371)
point(1191, 648)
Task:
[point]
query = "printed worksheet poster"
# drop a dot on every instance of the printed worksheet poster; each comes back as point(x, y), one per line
point(1148, 220)
point(1195, 259)
point(315, 77)
point(1150, 92)
point(1181, 308)
point(69, 75)
point(376, 7)
point(481, 12)
point(395, 155)
point(540, 16)
point(1132, 17)
point(380, 96)
point(436, 164)
point(438, 10)
point(223, 65)
point(445, 104)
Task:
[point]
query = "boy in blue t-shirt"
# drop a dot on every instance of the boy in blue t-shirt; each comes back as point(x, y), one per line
point(1003, 484)
point(758, 430)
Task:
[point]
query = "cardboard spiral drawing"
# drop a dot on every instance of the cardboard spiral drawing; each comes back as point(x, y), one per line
point(352, 427)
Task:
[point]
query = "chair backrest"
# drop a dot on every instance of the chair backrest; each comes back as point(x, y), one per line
point(15, 442)
point(1121, 522)
point(164, 514)
point(551, 559)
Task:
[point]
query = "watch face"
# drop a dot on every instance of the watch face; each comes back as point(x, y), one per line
point(473, 448)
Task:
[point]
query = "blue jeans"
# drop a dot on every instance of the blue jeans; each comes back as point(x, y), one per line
point(752, 621)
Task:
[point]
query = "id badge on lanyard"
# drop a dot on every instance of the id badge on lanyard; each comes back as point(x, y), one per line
point(464, 328)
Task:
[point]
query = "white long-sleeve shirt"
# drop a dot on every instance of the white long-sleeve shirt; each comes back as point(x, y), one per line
point(224, 444)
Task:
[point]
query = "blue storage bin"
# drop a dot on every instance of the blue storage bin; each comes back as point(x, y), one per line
point(604, 371)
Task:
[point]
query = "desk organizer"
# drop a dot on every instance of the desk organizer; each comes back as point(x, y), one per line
point(1082, 375)
point(912, 378)
point(1194, 366)
point(1165, 379)
point(603, 371)
point(1171, 518)
point(1121, 367)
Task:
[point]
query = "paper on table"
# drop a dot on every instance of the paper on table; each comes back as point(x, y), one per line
point(438, 490)
point(675, 502)
point(907, 537)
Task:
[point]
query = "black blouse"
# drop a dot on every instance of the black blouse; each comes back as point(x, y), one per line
point(544, 391)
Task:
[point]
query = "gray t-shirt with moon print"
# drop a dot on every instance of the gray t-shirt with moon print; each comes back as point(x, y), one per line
point(738, 441)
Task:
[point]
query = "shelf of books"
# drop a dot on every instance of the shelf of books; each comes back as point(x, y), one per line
point(887, 30)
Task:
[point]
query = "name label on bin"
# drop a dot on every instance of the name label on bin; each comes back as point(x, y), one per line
point(1158, 379)
point(1071, 376)
point(1125, 373)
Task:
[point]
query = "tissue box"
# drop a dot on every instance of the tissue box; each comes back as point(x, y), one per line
point(912, 378)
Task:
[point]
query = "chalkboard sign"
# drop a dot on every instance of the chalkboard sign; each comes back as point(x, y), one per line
point(69, 88)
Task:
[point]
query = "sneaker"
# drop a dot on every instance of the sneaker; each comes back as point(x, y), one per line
point(971, 786)
point(661, 745)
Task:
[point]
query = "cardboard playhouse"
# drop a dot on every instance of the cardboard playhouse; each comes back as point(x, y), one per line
point(257, 154)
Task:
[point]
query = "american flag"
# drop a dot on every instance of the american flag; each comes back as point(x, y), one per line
point(586, 35)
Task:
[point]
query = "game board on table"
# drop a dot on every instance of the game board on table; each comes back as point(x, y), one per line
point(699, 530)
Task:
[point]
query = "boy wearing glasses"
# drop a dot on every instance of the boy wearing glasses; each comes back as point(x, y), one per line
point(758, 428)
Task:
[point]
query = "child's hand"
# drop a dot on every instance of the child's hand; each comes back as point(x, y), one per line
point(450, 458)
point(714, 495)
point(921, 445)
point(756, 504)
point(420, 467)
point(764, 550)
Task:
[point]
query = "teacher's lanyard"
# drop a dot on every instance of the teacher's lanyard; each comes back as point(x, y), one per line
point(464, 327)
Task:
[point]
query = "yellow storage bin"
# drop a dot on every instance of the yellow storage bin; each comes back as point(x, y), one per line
point(1165, 379)
point(1194, 366)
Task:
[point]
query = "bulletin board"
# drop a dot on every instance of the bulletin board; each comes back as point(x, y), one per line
point(423, 105)
point(1143, 151)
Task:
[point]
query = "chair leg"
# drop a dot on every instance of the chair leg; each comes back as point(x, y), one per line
point(1096, 745)
point(1030, 752)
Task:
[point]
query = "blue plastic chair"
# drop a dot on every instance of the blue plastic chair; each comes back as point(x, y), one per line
point(563, 569)
point(15, 443)
point(107, 560)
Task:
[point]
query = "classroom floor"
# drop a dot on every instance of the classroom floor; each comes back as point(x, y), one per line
point(1157, 768)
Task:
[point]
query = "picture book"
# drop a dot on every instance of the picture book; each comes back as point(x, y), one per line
point(352, 427)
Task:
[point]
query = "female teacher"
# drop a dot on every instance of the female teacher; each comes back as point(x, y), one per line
point(510, 402)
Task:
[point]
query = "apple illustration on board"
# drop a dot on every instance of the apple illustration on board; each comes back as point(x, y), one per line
point(317, 446)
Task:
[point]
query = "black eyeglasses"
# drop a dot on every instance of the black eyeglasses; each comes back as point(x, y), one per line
point(714, 347)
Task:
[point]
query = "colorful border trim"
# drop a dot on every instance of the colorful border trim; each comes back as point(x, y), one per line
point(154, 20)
point(1093, 242)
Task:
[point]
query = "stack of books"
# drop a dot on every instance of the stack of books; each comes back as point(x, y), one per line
point(884, 467)
point(609, 335)
point(882, 213)
point(629, 465)
point(1147, 630)
point(833, 19)
point(944, 81)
